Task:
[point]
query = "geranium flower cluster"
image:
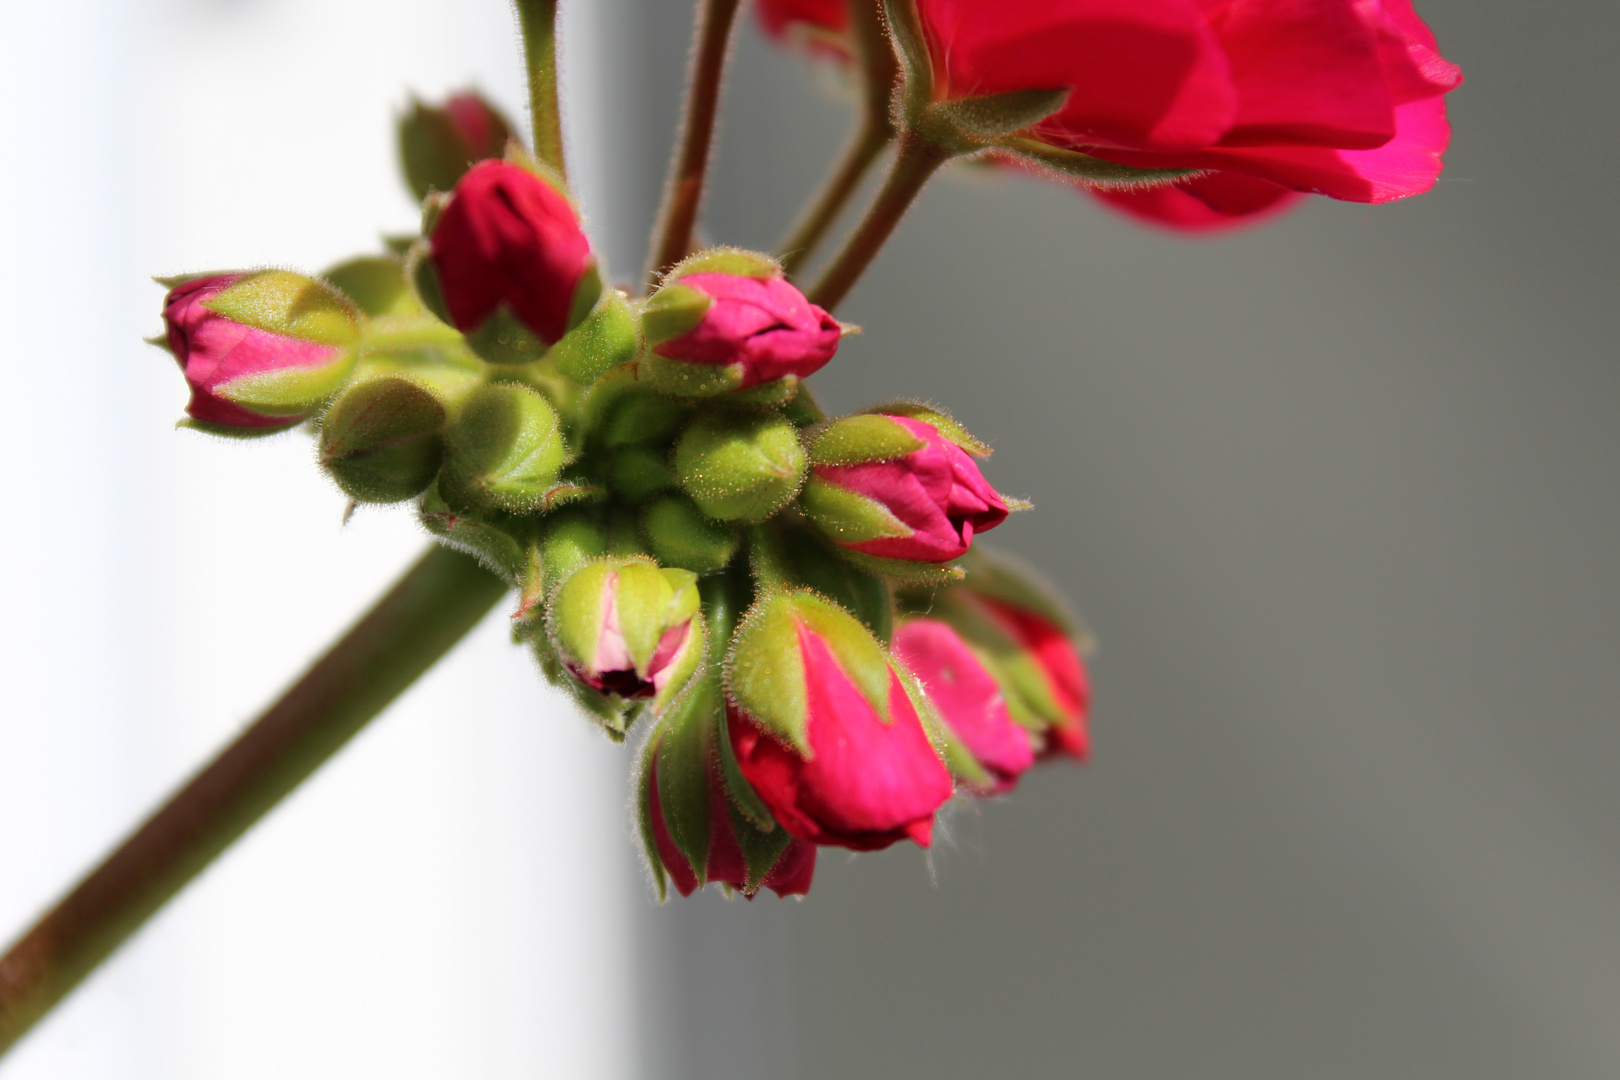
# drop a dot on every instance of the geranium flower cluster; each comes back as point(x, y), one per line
point(792, 608)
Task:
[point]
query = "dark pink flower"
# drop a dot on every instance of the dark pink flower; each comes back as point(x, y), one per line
point(968, 697)
point(790, 876)
point(1066, 682)
point(508, 237)
point(925, 505)
point(765, 327)
point(1207, 202)
point(479, 128)
point(1339, 97)
point(215, 352)
point(865, 782)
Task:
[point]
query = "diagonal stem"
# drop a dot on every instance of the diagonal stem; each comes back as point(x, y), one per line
point(537, 19)
point(915, 161)
point(874, 54)
point(678, 216)
point(427, 611)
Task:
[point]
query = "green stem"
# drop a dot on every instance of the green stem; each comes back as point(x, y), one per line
point(874, 54)
point(427, 611)
point(684, 192)
point(538, 21)
point(915, 161)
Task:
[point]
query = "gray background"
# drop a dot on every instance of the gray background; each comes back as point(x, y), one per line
point(1339, 498)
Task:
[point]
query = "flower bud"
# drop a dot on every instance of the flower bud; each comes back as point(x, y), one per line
point(678, 534)
point(620, 410)
point(967, 698)
point(740, 467)
point(712, 333)
point(824, 729)
point(504, 451)
point(382, 440)
point(497, 549)
point(692, 830)
point(638, 472)
point(1015, 622)
point(514, 268)
point(260, 350)
point(437, 145)
point(605, 339)
point(628, 628)
point(900, 486)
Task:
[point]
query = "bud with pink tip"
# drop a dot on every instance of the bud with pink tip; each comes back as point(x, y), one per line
point(628, 628)
point(968, 700)
point(437, 145)
point(901, 485)
point(514, 268)
point(825, 730)
point(728, 320)
point(261, 350)
point(694, 829)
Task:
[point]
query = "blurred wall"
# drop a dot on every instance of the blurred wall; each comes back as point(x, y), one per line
point(1339, 497)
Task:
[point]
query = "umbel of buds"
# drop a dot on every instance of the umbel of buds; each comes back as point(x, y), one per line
point(789, 609)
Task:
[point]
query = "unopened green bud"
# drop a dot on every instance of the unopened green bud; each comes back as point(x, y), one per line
point(678, 534)
point(740, 467)
point(504, 451)
point(498, 550)
point(639, 472)
point(606, 338)
point(376, 284)
point(382, 441)
point(437, 145)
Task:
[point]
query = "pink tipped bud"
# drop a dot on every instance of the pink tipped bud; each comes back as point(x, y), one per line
point(259, 350)
point(896, 487)
point(438, 145)
point(824, 730)
point(968, 698)
point(628, 628)
point(510, 240)
point(732, 331)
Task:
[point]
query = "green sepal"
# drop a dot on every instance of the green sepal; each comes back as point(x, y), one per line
point(505, 339)
point(227, 431)
point(504, 449)
point(423, 279)
point(382, 440)
point(603, 340)
point(295, 306)
point(613, 715)
point(865, 437)
point(290, 391)
point(575, 613)
point(650, 600)
point(672, 311)
point(941, 421)
point(679, 378)
point(741, 794)
point(866, 596)
point(726, 260)
point(963, 125)
point(568, 541)
point(638, 472)
point(678, 534)
point(848, 516)
point(905, 571)
point(801, 410)
point(761, 849)
point(644, 826)
point(1094, 171)
point(740, 467)
point(376, 285)
point(492, 545)
point(764, 670)
point(686, 754)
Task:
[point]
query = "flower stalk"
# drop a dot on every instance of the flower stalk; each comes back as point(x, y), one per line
point(538, 21)
point(684, 192)
point(428, 610)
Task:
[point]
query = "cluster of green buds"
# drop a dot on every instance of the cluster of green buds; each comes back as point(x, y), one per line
point(786, 602)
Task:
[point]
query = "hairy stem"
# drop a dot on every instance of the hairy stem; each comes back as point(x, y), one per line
point(915, 161)
point(880, 70)
point(538, 21)
point(684, 191)
point(427, 611)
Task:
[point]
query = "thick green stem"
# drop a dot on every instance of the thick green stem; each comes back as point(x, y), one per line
point(427, 611)
point(880, 70)
point(538, 21)
point(684, 192)
point(915, 161)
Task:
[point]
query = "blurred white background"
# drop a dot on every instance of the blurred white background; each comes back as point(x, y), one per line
point(448, 897)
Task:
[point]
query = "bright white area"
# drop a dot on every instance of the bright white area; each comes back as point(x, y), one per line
point(450, 897)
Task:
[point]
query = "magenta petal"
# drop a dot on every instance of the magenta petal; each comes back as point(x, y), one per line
point(967, 696)
point(767, 326)
point(1208, 202)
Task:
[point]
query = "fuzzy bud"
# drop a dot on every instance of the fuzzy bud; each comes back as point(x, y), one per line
point(628, 628)
point(438, 145)
point(504, 450)
point(740, 467)
point(382, 440)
